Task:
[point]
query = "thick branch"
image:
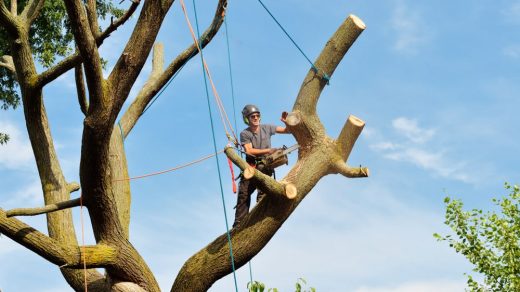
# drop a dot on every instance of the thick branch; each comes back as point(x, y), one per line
point(32, 10)
point(348, 136)
point(328, 60)
point(43, 210)
point(34, 240)
point(7, 19)
point(265, 183)
point(156, 83)
point(80, 88)
point(87, 46)
point(14, 7)
point(92, 17)
point(75, 59)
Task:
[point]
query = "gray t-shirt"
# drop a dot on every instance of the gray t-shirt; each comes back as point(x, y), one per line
point(260, 140)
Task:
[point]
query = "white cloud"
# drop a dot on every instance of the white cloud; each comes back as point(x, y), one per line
point(30, 195)
point(415, 150)
point(17, 153)
point(512, 51)
point(411, 130)
point(512, 13)
point(426, 286)
point(411, 32)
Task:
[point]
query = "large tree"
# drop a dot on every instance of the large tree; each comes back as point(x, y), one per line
point(69, 31)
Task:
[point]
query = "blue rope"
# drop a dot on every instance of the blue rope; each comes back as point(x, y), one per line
point(234, 109)
point(314, 68)
point(216, 152)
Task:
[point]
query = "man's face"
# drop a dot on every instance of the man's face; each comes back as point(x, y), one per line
point(254, 119)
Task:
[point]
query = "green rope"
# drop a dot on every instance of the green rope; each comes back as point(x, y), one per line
point(216, 152)
point(314, 68)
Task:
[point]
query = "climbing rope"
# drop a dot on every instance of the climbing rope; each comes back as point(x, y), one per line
point(212, 126)
point(314, 68)
point(230, 71)
point(223, 115)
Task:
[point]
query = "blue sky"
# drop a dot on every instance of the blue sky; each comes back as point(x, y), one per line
point(436, 82)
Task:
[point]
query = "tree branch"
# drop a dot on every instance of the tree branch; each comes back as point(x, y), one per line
point(43, 210)
point(348, 136)
point(8, 20)
point(350, 172)
point(92, 17)
point(328, 60)
point(14, 7)
point(34, 240)
point(265, 183)
point(32, 10)
point(86, 44)
point(120, 21)
point(7, 62)
point(75, 59)
point(156, 82)
point(80, 88)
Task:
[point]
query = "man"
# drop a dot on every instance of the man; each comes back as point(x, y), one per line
point(256, 140)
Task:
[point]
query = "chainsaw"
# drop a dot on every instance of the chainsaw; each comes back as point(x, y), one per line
point(279, 157)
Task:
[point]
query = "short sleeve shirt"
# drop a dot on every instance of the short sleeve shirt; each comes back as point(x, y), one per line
point(260, 140)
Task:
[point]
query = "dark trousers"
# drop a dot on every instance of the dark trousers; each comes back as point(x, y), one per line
point(245, 190)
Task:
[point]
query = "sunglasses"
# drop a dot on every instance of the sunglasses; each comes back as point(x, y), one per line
point(254, 116)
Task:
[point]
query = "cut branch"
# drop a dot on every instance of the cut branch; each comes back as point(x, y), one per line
point(43, 210)
point(326, 63)
point(156, 83)
point(348, 136)
point(350, 172)
point(265, 183)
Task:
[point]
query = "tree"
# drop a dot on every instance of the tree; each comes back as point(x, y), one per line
point(489, 240)
point(34, 32)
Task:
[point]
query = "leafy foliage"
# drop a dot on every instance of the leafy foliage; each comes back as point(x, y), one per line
point(489, 240)
point(256, 286)
point(3, 138)
point(50, 37)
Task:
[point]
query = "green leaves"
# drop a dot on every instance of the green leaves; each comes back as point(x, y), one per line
point(256, 286)
point(3, 138)
point(489, 240)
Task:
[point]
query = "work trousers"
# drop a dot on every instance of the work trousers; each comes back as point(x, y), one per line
point(246, 188)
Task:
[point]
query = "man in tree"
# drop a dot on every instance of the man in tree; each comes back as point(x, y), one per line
point(256, 140)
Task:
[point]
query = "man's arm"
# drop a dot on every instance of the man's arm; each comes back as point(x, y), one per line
point(281, 130)
point(257, 152)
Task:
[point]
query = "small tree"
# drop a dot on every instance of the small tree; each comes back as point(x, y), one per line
point(489, 240)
